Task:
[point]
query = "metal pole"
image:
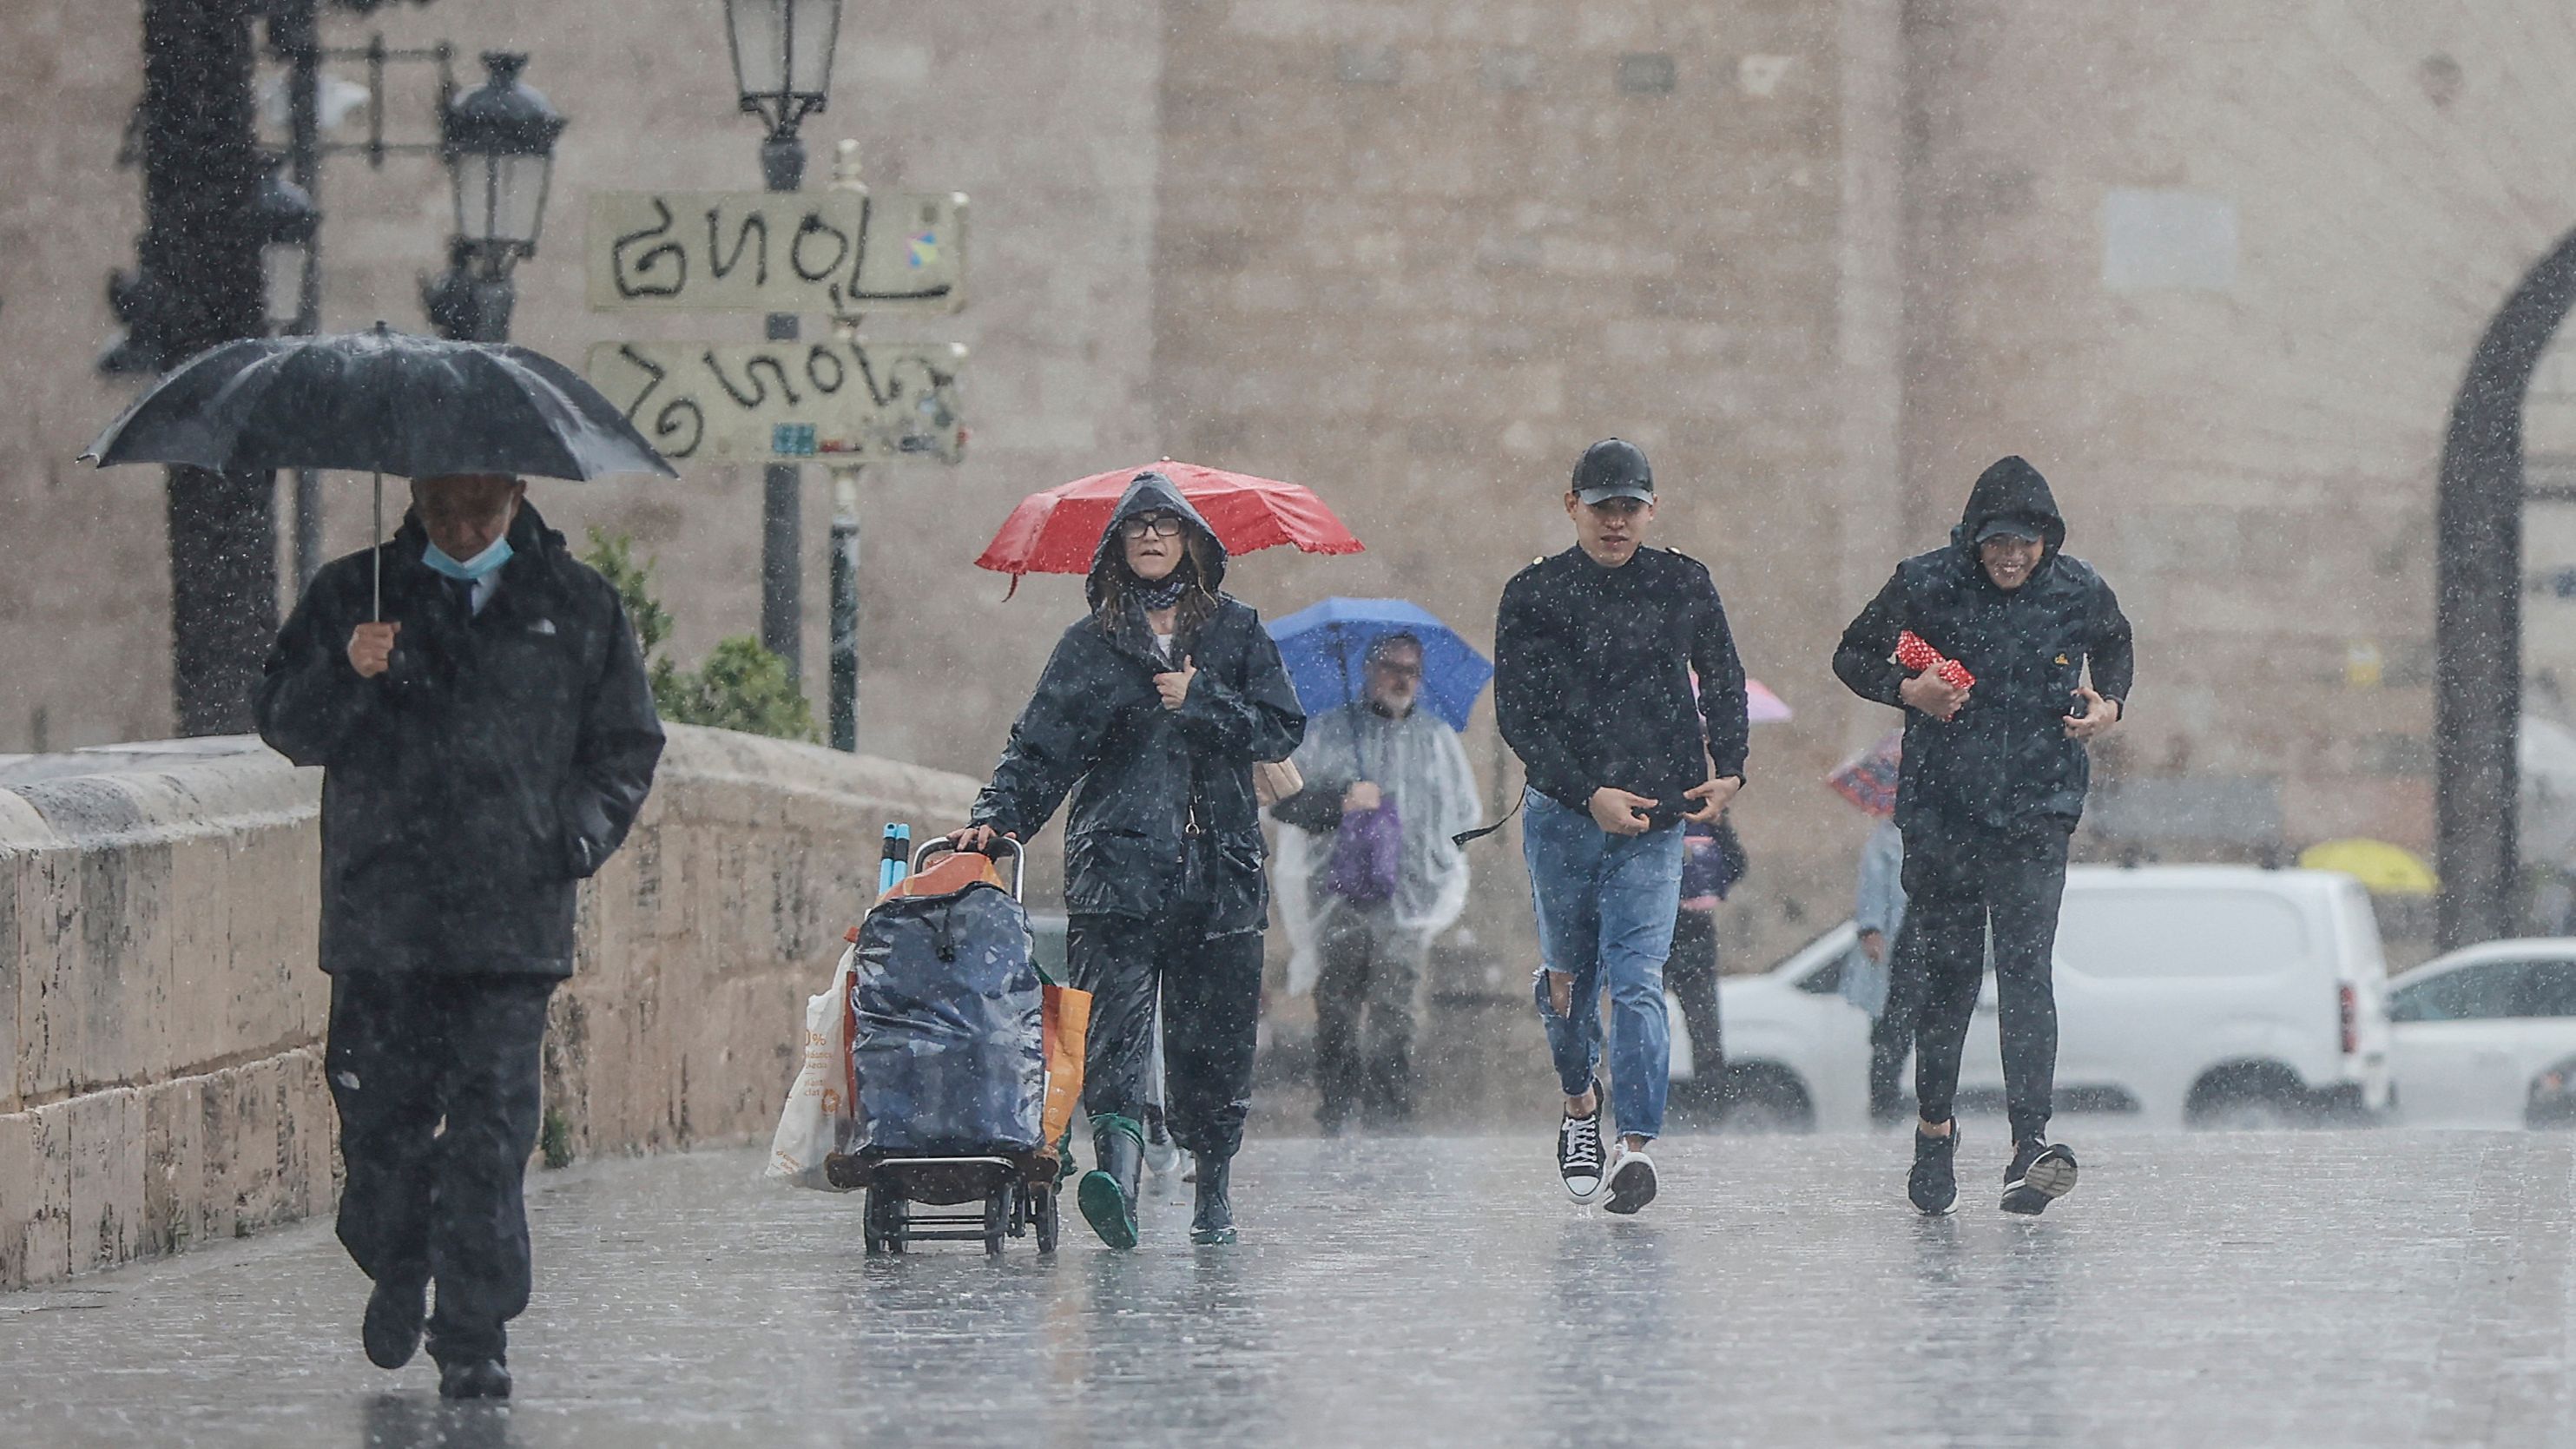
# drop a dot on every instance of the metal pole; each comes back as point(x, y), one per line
point(845, 609)
point(782, 167)
point(304, 159)
point(843, 708)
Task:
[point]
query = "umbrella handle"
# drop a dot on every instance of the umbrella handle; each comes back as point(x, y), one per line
point(375, 546)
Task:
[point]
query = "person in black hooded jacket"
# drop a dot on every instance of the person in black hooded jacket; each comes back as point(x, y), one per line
point(1151, 713)
point(485, 740)
point(1993, 782)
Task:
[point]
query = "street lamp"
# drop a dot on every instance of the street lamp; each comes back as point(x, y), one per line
point(498, 141)
point(782, 69)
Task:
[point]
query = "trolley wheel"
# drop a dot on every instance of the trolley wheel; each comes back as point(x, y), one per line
point(1044, 1211)
point(997, 1219)
point(883, 1220)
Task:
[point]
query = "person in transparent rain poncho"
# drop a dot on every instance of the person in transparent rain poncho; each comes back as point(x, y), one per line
point(1360, 939)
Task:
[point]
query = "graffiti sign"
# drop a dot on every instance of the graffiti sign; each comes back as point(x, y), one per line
point(816, 252)
point(831, 401)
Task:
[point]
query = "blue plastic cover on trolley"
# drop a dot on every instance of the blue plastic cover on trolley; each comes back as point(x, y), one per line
point(945, 1023)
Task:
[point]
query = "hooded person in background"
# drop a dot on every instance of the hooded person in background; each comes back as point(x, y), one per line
point(1151, 713)
point(1990, 790)
point(1380, 753)
point(1881, 977)
point(484, 747)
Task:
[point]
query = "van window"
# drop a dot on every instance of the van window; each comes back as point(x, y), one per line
point(2167, 934)
point(2550, 989)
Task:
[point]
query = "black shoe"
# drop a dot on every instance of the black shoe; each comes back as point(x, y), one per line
point(395, 1312)
point(1933, 1185)
point(2041, 1173)
point(474, 1378)
point(1212, 1222)
point(1578, 1150)
point(1107, 1193)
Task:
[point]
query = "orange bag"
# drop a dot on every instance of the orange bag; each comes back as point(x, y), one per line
point(1067, 1014)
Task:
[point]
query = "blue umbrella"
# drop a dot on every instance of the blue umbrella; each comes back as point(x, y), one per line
point(1326, 649)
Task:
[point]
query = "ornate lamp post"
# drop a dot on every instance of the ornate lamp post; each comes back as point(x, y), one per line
point(498, 141)
point(782, 69)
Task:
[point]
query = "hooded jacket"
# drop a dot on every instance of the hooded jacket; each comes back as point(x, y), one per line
point(1163, 810)
point(2004, 761)
point(498, 762)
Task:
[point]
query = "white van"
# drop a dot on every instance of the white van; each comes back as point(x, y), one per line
point(2186, 994)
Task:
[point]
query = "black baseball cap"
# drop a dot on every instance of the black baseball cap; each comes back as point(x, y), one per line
point(2011, 525)
point(1613, 468)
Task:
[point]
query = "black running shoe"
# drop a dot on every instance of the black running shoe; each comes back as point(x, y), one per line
point(2041, 1173)
point(1578, 1152)
point(1933, 1185)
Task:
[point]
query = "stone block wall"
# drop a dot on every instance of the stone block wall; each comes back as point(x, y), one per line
point(162, 1015)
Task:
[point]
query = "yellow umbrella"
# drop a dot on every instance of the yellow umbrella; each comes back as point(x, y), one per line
point(2384, 869)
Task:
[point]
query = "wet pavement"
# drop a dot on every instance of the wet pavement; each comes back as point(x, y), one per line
point(2336, 1288)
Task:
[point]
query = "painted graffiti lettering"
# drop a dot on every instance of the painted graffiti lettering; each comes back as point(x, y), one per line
point(762, 402)
point(640, 275)
point(820, 252)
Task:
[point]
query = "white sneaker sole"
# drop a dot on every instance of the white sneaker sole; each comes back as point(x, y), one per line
point(1632, 1185)
point(2050, 1177)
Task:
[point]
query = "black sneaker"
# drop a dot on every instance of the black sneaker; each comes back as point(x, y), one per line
point(1932, 1185)
point(2041, 1173)
point(1578, 1152)
point(396, 1310)
point(1632, 1180)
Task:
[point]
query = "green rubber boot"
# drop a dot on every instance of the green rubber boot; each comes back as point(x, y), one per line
point(1107, 1193)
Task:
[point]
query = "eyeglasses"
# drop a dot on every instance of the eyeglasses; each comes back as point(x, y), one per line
point(1161, 525)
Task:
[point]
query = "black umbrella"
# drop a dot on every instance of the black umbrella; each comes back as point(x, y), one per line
point(378, 402)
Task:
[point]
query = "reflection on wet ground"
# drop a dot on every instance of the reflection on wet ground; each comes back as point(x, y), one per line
point(2295, 1288)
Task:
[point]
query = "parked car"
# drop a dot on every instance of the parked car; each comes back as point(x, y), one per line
point(2206, 995)
point(2480, 1033)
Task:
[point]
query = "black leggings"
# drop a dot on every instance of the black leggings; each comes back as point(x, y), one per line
point(1957, 884)
point(1210, 987)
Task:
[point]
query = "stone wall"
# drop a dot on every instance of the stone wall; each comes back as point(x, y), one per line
point(162, 1017)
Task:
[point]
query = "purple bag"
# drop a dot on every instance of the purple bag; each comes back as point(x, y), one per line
point(1368, 854)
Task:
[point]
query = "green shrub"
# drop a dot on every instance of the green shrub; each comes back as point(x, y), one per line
point(741, 686)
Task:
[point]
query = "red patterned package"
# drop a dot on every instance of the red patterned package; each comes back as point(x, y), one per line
point(1920, 657)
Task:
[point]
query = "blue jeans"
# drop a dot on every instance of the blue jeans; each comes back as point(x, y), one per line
point(1606, 905)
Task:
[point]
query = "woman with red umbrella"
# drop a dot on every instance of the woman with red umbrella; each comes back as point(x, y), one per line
point(1151, 713)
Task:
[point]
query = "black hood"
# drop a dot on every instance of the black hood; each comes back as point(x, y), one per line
point(2011, 489)
point(1145, 493)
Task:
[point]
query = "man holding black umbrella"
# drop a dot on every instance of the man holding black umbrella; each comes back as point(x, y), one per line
point(487, 737)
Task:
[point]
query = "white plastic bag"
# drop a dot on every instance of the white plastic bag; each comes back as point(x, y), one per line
point(817, 1120)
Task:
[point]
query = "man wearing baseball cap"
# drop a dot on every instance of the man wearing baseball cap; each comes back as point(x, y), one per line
point(1993, 781)
point(1593, 654)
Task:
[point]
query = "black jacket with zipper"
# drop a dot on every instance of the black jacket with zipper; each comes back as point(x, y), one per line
point(1592, 679)
point(1143, 777)
point(2004, 762)
point(469, 788)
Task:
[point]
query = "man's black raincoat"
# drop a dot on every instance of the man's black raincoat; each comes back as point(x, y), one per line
point(2004, 761)
point(1140, 774)
point(469, 788)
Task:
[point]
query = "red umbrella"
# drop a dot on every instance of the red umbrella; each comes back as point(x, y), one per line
point(1056, 532)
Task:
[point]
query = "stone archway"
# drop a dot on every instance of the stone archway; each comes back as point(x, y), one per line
point(2477, 629)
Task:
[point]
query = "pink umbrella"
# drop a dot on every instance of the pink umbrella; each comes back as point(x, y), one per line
point(1761, 706)
point(1868, 779)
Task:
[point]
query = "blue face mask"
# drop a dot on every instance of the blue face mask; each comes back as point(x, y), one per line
point(472, 570)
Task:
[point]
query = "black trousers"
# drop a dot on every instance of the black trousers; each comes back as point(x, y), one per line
point(1891, 1036)
point(438, 1081)
point(1210, 987)
point(1690, 974)
point(1365, 1013)
point(1959, 885)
